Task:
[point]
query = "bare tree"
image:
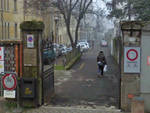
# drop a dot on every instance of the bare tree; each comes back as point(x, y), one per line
point(69, 8)
point(36, 6)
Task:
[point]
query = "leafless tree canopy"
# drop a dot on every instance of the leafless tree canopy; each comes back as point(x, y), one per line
point(67, 8)
point(76, 8)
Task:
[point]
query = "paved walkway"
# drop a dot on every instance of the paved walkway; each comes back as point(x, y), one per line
point(81, 86)
point(72, 110)
point(81, 91)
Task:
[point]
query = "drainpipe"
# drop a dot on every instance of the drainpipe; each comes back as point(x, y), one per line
point(2, 18)
point(120, 55)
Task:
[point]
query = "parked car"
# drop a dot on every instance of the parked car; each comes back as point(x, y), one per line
point(57, 50)
point(64, 51)
point(62, 47)
point(69, 49)
point(84, 46)
point(104, 43)
point(48, 56)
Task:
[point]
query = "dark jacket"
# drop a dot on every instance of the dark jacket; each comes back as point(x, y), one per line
point(101, 58)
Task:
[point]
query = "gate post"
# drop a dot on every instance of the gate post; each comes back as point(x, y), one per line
point(130, 62)
point(31, 80)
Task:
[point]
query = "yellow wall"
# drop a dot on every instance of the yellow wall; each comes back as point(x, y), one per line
point(63, 32)
point(10, 17)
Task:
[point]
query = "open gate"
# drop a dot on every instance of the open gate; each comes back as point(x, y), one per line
point(48, 70)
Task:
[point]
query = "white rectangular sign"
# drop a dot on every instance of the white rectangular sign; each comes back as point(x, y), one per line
point(1, 66)
point(30, 41)
point(9, 94)
point(1, 53)
point(132, 58)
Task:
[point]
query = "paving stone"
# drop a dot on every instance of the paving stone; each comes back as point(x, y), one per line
point(44, 109)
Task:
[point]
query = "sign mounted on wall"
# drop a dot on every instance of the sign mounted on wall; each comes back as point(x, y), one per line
point(9, 93)
point(30, 41)
point(9, 81)
point(132, 60)
point(1, 66)
point(148, 60)
point(1, 59)
point(1, 53)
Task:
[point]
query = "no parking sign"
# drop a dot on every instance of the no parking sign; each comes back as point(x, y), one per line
point(132, 60)
point(30, 41)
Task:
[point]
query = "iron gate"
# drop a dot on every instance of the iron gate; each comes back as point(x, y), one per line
point(48, 70)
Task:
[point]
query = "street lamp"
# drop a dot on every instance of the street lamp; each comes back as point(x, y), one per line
point(56, 19)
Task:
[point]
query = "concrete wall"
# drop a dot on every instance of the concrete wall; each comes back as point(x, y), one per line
point(130, 85)
point(145, 67)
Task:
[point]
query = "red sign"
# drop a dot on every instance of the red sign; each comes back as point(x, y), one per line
point(148, 60)
point(9, 81)
point(1, 53)
point(132, 54)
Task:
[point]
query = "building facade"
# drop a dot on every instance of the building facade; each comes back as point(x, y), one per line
point(14, 12)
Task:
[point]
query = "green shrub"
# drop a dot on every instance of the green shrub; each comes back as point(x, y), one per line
point(32, 25)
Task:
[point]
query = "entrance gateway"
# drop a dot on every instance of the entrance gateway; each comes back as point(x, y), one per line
point(24, 59)
point(135, 69)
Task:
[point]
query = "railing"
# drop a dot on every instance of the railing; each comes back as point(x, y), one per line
point(67, 58)
point(71, 55)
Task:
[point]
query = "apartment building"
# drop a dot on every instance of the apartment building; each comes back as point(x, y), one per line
point(12, 13)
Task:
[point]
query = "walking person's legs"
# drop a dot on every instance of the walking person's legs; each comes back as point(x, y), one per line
point(102, 70)
point(99, 70)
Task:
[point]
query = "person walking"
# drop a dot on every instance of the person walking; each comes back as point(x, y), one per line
point(101, 62)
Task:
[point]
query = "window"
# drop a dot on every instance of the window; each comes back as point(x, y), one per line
point(15, 30)
point(7, 5)
point(8, 30)
point(0, 4)
point(4, 7)
point(15, 5)
point(2, 30)
point(5, 32)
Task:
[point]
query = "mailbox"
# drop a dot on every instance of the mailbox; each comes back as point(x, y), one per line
point(28, 88)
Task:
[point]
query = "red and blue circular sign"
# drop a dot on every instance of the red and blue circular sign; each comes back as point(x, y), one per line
point(9, 81)
point(30, 39)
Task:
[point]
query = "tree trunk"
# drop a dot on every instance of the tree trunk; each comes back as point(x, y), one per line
point(69, 33)
point(76, 31)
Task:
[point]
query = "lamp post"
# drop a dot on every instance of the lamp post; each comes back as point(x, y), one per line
point(56, 19)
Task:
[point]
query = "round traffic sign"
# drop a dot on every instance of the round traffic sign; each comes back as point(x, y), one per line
point(9, 81)
point(132, 54)
point(30, 39)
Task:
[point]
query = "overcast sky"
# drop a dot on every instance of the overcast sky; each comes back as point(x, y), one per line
point(100, 4)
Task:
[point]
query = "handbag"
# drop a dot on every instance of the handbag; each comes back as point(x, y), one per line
point(99, 63)
point(105, 68)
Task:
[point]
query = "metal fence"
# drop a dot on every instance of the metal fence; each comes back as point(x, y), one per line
point(66, 59)
point(71, 55)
